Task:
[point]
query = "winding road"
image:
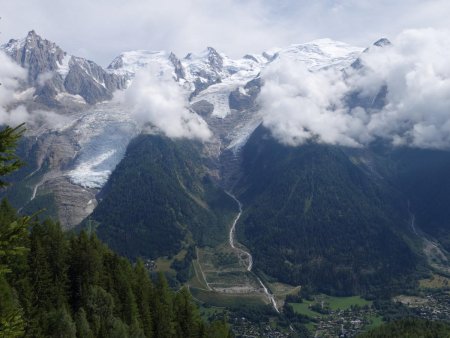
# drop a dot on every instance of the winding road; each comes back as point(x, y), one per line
point(233, 233)
point(242, 252)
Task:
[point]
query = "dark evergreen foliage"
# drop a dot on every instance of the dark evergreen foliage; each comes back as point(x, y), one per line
point(410, 328)
point(9, 161)
point(422, 176)
point(159, 196)
point(75, 286)
point(313, 216)
point(53, 285)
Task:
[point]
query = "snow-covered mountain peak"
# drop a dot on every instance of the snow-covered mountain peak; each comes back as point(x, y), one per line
point(132, 61)
point(321, 53)
point(382, 42)
point(207, 60)
point(161, 62)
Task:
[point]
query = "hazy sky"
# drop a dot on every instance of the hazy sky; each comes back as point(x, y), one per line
point(101, 29)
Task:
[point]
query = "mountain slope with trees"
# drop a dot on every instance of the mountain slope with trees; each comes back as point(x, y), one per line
point(64, 285)
point(410, 328)
point(161, 198)
point(313, 216)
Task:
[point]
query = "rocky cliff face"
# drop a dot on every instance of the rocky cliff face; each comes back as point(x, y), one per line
point(51, 71)
point(90, 81)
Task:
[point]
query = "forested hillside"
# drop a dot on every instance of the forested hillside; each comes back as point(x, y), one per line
point(159, 198)
point(410, 328)
point(54, 285)
point(313, 216)
point(422, 176)
point(65, 285)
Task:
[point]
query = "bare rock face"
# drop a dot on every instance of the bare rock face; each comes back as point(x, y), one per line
point(90, 81)
point(178, 67)
point(74, 203)
point(37, 55)
point(215, 60)
point(203, 108)
point(67, 85)
point(242, 100)
point(54, 154)
point(52, 71)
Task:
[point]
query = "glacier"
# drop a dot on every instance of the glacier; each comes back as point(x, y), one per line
point(102, 132)
point(102, 136)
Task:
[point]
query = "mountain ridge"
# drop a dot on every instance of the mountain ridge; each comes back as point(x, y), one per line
point(294, 194)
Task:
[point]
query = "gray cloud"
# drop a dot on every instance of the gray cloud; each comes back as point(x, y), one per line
point(159, 100)
point(101, 29)
point(298, 105)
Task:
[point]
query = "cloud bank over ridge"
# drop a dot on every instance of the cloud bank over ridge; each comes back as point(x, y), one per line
point(299, 105)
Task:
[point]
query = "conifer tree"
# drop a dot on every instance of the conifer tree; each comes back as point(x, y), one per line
point(143, 290)
point(187, 318)
point(9, 161)
point(53, 285)
point(82, 325)
point(12, 238)
point(164, 326)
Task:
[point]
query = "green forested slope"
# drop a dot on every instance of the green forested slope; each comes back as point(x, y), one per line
point(53, 285)
point(423, 177)
point(313, 216)
point(410, 328)
point(160, 195)
point(61, 285)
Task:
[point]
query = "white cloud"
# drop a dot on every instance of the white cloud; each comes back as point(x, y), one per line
point(10, 76)
point(299, 105)
point(12, 112)
point(43, 78)
point(160, 101)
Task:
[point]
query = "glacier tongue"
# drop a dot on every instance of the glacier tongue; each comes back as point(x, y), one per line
point(102, 135)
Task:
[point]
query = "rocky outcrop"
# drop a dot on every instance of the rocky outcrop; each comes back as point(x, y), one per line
point(38, 55)
point(74, 203)
point(203, 108)
point(244, 98)
point(52, 71)
point(215, 60)
point(178, 67)
point(206, 71)
point(90, 81)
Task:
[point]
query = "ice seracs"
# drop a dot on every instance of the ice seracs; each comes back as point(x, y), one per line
point(102, 134)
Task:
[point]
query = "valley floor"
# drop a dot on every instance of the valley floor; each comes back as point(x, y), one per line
point(224, 273)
